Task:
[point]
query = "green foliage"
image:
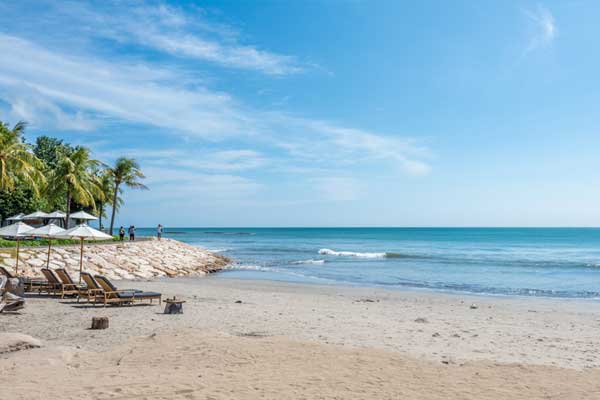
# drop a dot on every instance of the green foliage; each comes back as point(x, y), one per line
point(74, 177)
point(49, 150)
point(126, 171)
point(19, 200)
point(55, 175)
point(18, 165)
point(44, 242)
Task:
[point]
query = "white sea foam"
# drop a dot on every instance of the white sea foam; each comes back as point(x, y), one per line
point(330, 252)
point(251, 268)
point(311, 261)
point(221, 250)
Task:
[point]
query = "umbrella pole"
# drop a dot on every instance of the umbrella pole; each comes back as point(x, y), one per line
point(81, 261)
point(17, 263)
point(49, 246)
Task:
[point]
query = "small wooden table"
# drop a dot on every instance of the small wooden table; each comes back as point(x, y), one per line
point(174, 306)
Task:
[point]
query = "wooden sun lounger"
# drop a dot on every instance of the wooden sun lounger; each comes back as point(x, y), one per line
point(66, 279)
point(30, 284)
point(57, 287)
point(93, 290)
point(112, 295)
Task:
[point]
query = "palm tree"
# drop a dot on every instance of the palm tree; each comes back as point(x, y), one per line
point(73, 178)
point(18, 165)
point(125, 172)
point(106, 186)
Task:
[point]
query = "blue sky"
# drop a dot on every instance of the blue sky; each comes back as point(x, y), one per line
point(336, 113)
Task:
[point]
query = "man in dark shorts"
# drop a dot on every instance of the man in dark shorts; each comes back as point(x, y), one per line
point(121, 233)
point(132, 233)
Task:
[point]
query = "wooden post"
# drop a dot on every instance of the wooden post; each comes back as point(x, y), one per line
point(17, 264)
point(49, 247)
point(99, 322)
point(81, 261)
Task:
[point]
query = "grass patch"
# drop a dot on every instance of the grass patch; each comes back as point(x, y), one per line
point(44, 242)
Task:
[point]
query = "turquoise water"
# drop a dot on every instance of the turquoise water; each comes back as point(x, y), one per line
point(561, 262)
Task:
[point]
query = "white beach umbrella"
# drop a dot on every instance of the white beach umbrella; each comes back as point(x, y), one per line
point(17, 217)
point(49, 232)
point(83, 216)
point(56, 214)
point(35, 215)
point(84, 232)
point(16, 231)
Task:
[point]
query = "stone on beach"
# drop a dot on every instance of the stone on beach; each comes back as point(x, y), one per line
point(130, 260)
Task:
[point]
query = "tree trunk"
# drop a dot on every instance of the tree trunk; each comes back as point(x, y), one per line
point(114, 208)
point(101, 208)
point(99, 322)
point(68, 208)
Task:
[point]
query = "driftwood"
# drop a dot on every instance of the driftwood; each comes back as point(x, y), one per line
point(99, 322)
point(8, 301)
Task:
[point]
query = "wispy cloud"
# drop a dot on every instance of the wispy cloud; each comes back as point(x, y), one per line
point(185, 33)
point(136, 93)
point(543, 28)
point(150, 94)
point(211, 138)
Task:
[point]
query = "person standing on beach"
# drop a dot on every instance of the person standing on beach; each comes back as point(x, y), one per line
point(132, 233)
point(159, 230)
point(121, 233)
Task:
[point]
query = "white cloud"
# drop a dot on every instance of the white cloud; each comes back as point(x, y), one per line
point(135, 93)
point(543, 28)
point(149, 94)
point(244, 57)
point(170, 30)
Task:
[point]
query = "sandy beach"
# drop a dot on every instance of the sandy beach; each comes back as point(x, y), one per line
point(258, 339)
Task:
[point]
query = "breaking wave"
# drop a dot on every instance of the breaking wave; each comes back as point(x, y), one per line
point(330, 252)
point(311, 261)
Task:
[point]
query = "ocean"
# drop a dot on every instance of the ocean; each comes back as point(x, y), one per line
point(546, 262)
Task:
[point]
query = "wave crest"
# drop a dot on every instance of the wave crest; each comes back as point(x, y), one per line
point(311, 261)
point(330, 252)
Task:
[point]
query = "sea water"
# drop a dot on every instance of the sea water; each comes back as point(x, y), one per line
point(552, 262)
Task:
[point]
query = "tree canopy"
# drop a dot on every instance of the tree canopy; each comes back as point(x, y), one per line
point(53, 175)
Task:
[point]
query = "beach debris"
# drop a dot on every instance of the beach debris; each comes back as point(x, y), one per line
point(238, 302)
point(253, 334)
point(99, 323)
point(421, 320)
point(436, 334)
point(473, 306)
point(366, 301)
point(11, 342)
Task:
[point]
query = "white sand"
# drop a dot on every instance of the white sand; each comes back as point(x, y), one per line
point(304, 341)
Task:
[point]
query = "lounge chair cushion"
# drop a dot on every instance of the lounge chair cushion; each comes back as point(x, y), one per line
point(137, 295)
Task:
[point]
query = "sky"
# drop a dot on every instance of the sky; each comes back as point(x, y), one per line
point(321, 113)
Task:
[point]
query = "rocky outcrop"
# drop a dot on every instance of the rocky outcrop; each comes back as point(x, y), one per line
point(127, 260)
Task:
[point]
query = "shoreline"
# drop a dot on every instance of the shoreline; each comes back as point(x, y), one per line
point(407, 288)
